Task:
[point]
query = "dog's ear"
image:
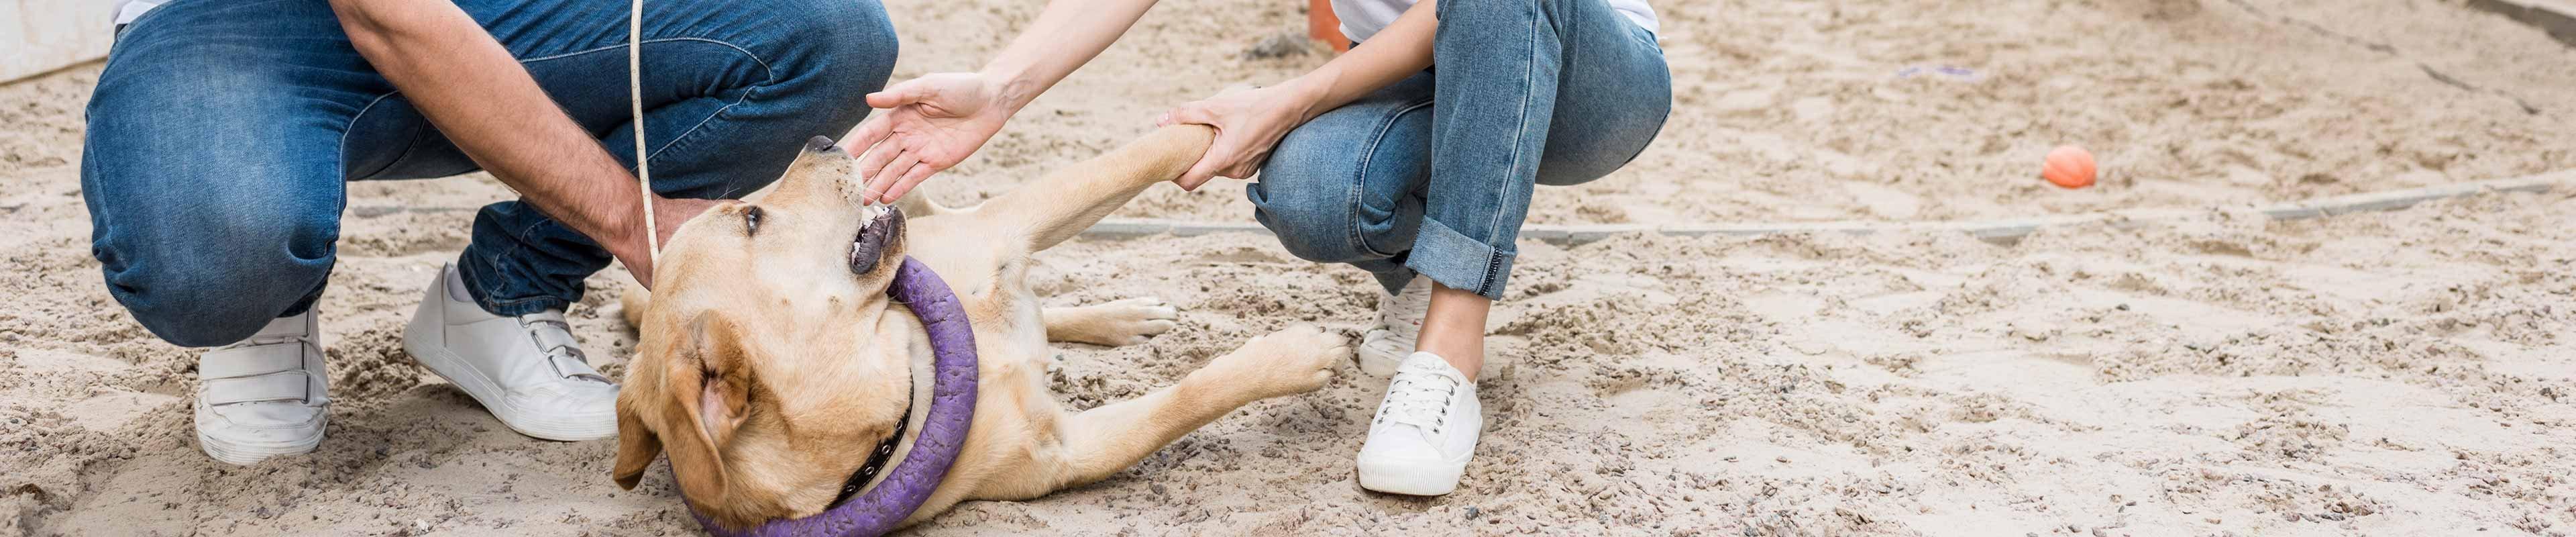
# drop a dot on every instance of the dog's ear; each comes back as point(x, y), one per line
point(636, 445)
point(708, 391)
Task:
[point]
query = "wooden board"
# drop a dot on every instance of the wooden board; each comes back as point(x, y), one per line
point(40, 36)
point(2003, 230)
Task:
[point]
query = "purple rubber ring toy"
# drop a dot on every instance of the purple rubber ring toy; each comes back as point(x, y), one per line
point(943, 433)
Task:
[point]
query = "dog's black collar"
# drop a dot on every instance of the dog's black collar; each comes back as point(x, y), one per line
point(876, 459)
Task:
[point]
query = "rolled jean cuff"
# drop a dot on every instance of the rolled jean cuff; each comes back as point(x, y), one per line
point(1459, 262)
point(477, 274)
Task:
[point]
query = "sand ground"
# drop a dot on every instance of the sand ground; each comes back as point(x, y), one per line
point(2400, 373)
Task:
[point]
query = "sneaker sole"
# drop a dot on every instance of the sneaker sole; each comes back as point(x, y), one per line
point(1413, 478)
point(249, 454)
point(451, 367)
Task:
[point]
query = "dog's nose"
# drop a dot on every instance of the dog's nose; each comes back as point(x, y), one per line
point(819, 144)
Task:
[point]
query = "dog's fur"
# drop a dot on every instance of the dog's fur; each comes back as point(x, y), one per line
point(771, 364)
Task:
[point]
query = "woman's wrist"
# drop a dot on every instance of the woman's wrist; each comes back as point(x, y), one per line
point(1309, 93)
point(1012, 85)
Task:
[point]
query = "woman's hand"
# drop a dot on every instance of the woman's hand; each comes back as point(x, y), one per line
point(931, 123)
point(1249, 123)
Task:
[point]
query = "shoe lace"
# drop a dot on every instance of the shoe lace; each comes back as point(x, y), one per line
point(1420, 400)
point(553, 336)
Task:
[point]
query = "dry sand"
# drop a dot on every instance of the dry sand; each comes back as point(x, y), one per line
point(2393, 373)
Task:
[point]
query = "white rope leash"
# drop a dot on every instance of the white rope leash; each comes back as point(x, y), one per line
point(635, 98)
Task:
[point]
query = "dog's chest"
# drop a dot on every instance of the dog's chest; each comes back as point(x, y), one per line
point(1014, 343)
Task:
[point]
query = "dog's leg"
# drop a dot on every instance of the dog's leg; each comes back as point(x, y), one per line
point(1101, 441)
point(1053, 208)
point(1115, 324)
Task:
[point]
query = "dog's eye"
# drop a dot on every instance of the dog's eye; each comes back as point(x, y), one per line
point(751, 220)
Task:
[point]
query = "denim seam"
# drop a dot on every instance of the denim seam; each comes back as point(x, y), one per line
point(766, 71)
point(1368, 154)
point(353, 125)
point(693, 129)
point(1493, 264)
point(410, 147)
point(1494, 229)
point(768, 75)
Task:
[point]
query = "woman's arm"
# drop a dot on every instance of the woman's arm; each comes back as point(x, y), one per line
point(1399, 51)
point(1249, 123)
point(482, 99)
point(1066, 35)
point(937, 120)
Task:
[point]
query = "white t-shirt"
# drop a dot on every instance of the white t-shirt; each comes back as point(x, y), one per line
point(1363, 18)
point(127, 10)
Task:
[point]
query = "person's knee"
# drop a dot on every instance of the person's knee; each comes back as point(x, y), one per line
point(1313, 221)
point(215, 279)
point(846, 46)
point(195, 306)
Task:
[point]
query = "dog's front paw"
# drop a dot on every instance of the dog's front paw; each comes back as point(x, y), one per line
point(1292, 361)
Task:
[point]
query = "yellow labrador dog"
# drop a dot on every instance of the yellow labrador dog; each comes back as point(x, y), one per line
point(772, 362)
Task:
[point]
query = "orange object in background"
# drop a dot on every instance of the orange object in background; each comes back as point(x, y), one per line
point(1323, 26)
point(2069, 166)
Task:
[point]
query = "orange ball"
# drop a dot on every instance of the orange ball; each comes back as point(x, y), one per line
point(2069, 167)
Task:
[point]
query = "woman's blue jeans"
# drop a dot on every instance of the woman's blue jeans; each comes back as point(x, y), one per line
point(1433, 174)
point(222, 134)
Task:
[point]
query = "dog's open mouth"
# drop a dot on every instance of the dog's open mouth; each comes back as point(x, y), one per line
point(869, 247)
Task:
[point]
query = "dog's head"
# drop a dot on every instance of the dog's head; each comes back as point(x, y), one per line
point(767, 367)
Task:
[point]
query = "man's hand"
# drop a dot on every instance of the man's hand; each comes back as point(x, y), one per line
point(931, 124)
point(668, 213)
point(1249, 123)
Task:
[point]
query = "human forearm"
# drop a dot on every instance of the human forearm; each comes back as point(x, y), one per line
point(1066, 35)
point(1250, 123)
point(934, 122)
point(477, 95)
point(1399, 51)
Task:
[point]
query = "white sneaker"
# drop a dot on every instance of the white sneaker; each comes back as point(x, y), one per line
point(264, 396)
point(527, 370)
point(1399, 324)
point(1425, 430)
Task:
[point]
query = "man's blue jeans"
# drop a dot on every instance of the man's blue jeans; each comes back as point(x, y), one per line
point(1432, 175)
point(223, 131)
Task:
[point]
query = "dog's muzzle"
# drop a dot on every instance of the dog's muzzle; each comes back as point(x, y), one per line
point(868, 249)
